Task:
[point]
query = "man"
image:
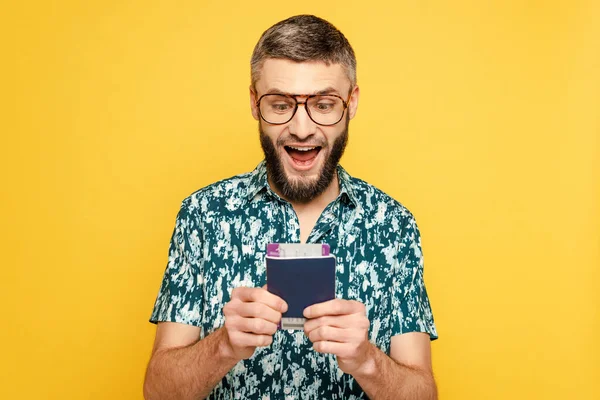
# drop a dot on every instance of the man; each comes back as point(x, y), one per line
point(217, 334)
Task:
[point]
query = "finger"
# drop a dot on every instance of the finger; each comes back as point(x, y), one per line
point(257, 326)
point(334, 307)
point(260, 295)
point(243, 339)
point(331, 334)
point(339, 349)
point(338, 321)
point(258, 310)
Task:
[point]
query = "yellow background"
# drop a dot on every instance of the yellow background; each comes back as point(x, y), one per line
point(482, 117)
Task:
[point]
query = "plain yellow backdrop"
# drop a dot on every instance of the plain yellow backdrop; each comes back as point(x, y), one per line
point(482, 117)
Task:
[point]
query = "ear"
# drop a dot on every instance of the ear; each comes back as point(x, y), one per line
point(253, 100)
point(353, 102)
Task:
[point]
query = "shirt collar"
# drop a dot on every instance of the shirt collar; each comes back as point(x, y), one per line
point(346, 188)
point(259, 182)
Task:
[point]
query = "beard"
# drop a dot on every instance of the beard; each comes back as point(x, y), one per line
point(302, 190)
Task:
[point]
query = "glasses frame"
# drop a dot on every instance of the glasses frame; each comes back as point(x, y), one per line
point(308, 97)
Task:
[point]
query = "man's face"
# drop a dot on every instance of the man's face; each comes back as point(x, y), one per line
point(301, 156)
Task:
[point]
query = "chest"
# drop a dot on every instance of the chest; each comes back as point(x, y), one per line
point(234, 251)
point(307, 222)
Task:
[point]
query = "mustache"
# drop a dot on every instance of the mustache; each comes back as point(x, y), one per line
point(288, 139)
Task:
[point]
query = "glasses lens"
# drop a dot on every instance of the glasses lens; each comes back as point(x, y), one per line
point(326, 110)
point(277, 109)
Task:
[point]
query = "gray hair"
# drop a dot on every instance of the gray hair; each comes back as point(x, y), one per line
point(304, 38)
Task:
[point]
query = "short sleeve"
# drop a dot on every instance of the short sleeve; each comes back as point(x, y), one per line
point(180, 297)
point(410, 305)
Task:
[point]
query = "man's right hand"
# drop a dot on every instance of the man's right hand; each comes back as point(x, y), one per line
point(251, 319)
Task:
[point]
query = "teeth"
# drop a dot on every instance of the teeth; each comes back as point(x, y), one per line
point(302, 148)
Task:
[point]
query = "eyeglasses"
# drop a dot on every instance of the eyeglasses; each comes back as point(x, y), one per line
point(279, 109)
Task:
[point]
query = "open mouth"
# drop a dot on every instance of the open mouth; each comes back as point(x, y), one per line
point(303, 156)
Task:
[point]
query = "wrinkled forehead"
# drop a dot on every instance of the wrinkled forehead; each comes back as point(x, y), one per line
point(285, 76)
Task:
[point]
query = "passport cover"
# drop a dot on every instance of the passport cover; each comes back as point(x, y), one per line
point(301, 282)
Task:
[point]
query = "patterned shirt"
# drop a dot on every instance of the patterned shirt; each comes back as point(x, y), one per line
point(220, 241)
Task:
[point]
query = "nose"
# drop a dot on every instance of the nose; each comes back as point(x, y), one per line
point(301, 125)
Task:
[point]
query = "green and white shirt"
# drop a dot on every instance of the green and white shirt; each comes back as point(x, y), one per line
point(220, 241)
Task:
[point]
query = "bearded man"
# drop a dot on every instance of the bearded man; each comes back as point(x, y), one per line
point(217, 334)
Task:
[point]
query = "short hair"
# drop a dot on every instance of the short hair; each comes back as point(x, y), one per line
point(304, 38)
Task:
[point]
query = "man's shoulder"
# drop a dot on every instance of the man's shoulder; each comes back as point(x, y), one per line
point(229, 193)
point(375, 202)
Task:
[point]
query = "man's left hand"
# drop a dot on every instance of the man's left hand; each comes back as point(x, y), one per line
point(340, 327)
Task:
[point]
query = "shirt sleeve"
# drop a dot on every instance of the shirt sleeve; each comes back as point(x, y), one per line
point(181, 294)
point(410, 304)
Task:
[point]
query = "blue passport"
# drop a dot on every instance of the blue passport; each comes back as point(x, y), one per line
point(301, 282)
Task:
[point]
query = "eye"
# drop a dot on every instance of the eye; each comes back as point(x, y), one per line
point(277, 104)
point(324, 106)
point(281, 107)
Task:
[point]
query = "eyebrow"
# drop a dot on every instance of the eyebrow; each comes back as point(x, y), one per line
point(322, 92)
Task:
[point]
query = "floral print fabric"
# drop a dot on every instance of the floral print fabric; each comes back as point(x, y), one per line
point(219, 243)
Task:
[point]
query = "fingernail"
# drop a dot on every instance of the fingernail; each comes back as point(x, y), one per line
point(284, 307)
